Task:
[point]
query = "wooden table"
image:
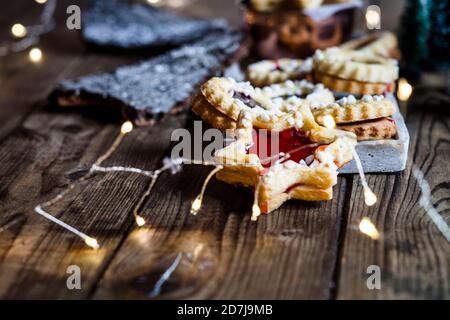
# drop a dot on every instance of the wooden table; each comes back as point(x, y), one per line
point(303, 250)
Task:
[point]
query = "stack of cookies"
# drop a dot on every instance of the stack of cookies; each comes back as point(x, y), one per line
point(305, 164)
point(267, 72)
point(361, 71)
point(355, 71)
point(369, 118)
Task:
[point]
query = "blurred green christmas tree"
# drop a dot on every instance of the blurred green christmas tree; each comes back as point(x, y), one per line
point(439, 36)
point(424, 34)
point(414, 31)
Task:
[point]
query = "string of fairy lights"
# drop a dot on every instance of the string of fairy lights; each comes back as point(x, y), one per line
point(28, 36)
point(174, 165)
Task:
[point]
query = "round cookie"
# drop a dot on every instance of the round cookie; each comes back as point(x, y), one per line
point(355, 65)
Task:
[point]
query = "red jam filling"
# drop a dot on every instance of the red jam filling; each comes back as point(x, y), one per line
point(269, 144)
point(278, 66)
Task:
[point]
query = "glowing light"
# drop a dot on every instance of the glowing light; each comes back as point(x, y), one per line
point(91, 242)
point(328, 122)
point(152, 1)
point(196, 205)
point(368, 228)
point(256, 212)
point(127, 127)
point(88, 240)
point(18, 30)
point(369, 197)
point(41, 1)
point(404, 90)
point(373, 17)
point(140, 221)
point(35, 55)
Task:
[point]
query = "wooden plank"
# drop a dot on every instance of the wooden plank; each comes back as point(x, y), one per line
point(288, 254)
point(35, 165)
point(412, 254)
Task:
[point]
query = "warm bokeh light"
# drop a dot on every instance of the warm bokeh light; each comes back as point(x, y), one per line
point(196, 205)
point(127, 127)
point(256, 212)
point(404, 90)
point(41, 1)
point(18, 30)
point(369, 197)
point(35, 55)
point(328, 121)
point(152, 1)
point(368, 228)
point(140, 221)
point(91, 242)
point(373, 17)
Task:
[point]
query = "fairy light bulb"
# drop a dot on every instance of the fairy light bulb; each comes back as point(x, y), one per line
point(18, 30)
point(328, 122)
point(91, 242)
point(127, 127)
point(368, 228)
point(35, 55)
point(41, 1)
point(256, 212)
point(140, 221)
point(369, 197)
point(196, 205)
point(404, 90)
point(373, 17)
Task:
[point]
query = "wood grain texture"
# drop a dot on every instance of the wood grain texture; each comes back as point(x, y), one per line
point(40, 252)
point(289, 254)
point(412, 254)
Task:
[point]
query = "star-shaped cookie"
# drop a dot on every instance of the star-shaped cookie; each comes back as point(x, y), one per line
point(279, 149)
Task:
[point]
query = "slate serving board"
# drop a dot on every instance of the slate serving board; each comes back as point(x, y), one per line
point(383, 156)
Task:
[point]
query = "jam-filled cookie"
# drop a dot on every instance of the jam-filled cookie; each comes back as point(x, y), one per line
point(368, 117)
point(379, 43)
point(269, 107)
point(267, 72)
point(354, 72)
point(303, 166)
point(377, 129)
